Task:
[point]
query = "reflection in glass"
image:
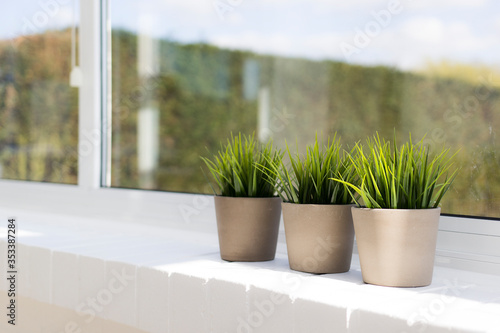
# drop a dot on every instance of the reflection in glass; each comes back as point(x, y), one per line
point(184, 77)
point(38, 108)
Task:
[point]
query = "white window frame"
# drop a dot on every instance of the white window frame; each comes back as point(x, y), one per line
point(88, 197)
point(463, 242)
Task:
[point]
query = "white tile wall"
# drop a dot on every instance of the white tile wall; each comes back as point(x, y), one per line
point(91, 279)
point(310, 316)
point(152, 300)
point(3, 263)
point(64, 279)
point(118, 295)
point(188, 309)
point(269, 312)
point(40, 274)
point(23, 270)
point(174, 281)
point(228, 305)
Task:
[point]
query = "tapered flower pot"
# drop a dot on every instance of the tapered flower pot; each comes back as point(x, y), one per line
point(247, 227)
point(319, 238)
point(396, 246)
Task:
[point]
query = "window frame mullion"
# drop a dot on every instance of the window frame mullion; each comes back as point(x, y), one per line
point(90, 131)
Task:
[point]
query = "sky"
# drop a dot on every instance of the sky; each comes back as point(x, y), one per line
point(402, 33)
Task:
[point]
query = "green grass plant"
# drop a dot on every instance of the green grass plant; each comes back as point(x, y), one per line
point(400, 178)
point(234, 168)
point(307, 179)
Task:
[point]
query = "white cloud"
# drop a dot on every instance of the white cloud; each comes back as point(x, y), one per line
point(63, 18)
point(311, 46)
point(195, 8)
point(427, 38)
point(272, 43)
point(407, 45)
point(370, 4)
point(328, 3)
point(434, 4)
point(497, 25)
point(424, 29)
point(438, 37)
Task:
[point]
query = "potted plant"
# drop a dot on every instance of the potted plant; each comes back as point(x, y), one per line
point(316, 210)
point(396, 230)
point(247, 209)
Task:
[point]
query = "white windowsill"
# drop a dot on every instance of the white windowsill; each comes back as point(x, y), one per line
point(178, 283)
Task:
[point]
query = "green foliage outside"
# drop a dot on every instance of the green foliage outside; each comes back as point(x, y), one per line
point(38, 109)
point(202, 95)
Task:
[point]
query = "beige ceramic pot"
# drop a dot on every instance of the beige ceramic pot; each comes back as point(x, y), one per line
point(319, 238)
point(396, 246)
point(247, 227)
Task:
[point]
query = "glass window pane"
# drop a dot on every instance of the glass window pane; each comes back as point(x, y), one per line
point(187, 74)
point(38, 108)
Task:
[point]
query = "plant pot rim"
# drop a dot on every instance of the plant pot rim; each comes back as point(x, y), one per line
point(395, 209)
point(319, 205)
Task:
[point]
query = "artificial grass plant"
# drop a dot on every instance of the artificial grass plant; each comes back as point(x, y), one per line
point(404, 177)
point(234, 168)
point(307, 179)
